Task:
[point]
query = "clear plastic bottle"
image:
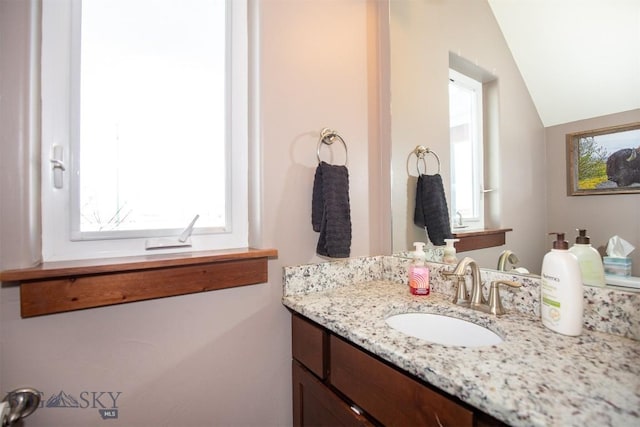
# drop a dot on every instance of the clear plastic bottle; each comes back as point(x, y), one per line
point(419, 272)
point(589, 260)
point(562, 290)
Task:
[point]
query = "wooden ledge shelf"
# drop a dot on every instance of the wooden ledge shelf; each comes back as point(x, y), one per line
point(480, 239)
point(55, 287)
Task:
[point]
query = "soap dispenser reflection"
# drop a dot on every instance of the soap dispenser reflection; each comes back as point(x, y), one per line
point(449, 256)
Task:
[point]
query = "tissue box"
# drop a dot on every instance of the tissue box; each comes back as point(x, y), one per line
point(617, 266)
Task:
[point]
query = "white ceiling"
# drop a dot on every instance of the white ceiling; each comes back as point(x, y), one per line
point(579, 58)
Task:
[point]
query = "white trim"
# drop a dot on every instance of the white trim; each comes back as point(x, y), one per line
point(255, 128)
point(56, 129)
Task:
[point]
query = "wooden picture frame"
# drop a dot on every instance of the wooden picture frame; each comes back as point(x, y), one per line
point(604, 161)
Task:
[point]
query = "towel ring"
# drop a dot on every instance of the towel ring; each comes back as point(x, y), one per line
point(328, 136)
point(421, 153)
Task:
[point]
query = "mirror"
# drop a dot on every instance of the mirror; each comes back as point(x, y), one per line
point(423, 36)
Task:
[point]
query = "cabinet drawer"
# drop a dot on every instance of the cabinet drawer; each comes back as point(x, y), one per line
point(315, 405)
point(308, 345)
point(387, 394)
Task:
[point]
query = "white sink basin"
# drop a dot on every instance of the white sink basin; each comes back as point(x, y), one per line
point(443, 330)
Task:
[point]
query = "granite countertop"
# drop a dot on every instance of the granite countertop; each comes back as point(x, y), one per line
point(534, 378)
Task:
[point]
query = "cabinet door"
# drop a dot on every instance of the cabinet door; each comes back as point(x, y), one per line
point(389, 395)
point(315, 405)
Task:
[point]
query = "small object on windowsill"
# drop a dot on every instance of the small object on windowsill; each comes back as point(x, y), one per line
point(184, 240)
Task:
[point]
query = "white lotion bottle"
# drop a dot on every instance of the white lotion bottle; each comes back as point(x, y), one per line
point(589, 260)
point(561, 302)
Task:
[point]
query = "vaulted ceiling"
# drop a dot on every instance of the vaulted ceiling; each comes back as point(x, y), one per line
point(579, 58)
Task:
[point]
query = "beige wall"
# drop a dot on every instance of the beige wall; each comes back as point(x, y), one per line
point(422, 35)
point(315, 77)
point(603, 215)
point(223, 357)
point(19, 130)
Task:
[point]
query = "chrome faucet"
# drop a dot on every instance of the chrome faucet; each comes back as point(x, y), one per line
point(477, 300)
point(505, 256)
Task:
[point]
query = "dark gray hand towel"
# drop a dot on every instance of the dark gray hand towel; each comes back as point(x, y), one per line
point(431, 208)
point(330, 211)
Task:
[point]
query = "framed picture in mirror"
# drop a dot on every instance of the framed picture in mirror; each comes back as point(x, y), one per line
point(604, 161)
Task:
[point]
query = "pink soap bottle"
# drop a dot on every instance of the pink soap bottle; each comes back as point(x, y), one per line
point(419, 272)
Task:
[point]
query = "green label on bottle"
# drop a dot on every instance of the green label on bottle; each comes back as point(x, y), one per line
point(551, 302)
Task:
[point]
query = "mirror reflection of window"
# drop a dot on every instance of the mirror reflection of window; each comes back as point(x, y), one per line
point(465, 130)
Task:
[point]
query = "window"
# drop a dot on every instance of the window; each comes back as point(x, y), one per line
point(465, 127)
point(144, 125)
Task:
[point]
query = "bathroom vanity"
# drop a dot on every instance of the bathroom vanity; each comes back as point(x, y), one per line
point(337, 383)
point(351, 368)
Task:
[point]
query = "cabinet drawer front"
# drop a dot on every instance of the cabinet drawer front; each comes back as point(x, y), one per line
point(308, 344)
point(388, 395)
point(315, 405)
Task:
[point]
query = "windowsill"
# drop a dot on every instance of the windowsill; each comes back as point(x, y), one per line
point(480, 239)
point(55, 287)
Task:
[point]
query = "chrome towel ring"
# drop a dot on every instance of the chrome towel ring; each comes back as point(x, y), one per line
point(421, 153)
point(328, 137)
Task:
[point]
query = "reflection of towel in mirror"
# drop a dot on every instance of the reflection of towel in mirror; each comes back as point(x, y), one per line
point(431, 208)
point(330, 211)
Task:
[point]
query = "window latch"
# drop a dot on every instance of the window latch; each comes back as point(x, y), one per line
point(484, 191)
point(187, 231)
point(184, 240)
point(57, 165)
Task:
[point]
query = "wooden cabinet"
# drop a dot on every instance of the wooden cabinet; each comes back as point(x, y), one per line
point(308, 344)
point(315, 404)
point(336, 383)
point(390, 396)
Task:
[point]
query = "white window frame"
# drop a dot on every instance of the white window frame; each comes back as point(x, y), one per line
point(57, 129)
point(476, 220)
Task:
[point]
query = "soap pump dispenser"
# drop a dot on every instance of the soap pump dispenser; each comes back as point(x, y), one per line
point(561, 291)
point(449, 256)
point(589, 260)
point(419, 272)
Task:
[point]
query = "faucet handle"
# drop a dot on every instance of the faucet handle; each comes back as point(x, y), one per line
point(495, 304)
point(462, 295)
